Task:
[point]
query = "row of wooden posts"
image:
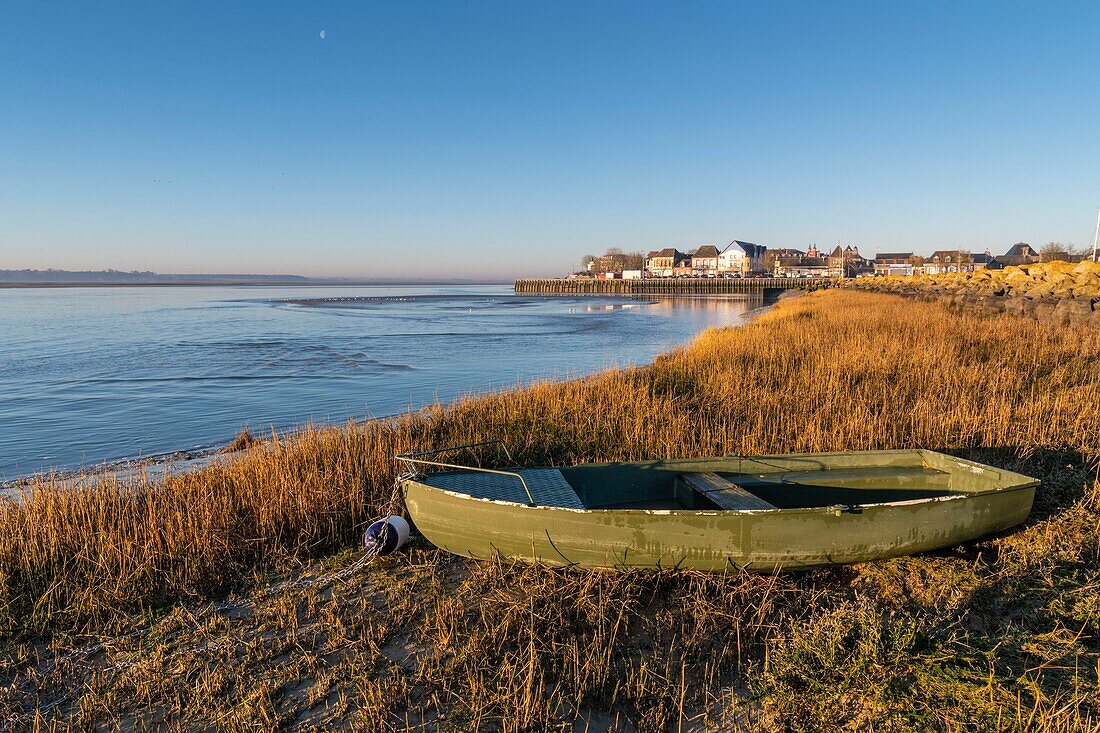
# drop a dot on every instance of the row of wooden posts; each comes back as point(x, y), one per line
point(668, 285)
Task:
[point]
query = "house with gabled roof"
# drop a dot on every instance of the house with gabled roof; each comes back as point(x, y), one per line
point(948, 260)
point(985, 261)
point(800, 266)
point(1020, 253)
point(741, 257)
point(847, 262)
point(666, 262)
point(704, 261)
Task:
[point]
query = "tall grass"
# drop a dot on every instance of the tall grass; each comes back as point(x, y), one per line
point(1002, 634)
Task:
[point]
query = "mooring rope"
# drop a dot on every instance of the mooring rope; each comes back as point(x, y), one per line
point(392, 507)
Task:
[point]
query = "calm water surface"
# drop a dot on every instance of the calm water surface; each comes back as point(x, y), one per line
point(95, 374)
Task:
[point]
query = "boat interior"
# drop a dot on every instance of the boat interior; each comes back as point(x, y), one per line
point(787, 482)
point(711, 490)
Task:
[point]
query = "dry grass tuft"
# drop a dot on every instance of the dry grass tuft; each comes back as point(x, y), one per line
point(998, 635)
point(242, 441)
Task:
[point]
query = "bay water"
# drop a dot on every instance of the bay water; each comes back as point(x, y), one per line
point(89, 375)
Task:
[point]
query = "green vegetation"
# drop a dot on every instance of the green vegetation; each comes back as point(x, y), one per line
point(208, 600)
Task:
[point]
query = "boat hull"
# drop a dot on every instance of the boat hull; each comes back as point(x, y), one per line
point(756, 541)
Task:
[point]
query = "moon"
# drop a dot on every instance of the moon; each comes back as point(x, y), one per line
point(323, 35)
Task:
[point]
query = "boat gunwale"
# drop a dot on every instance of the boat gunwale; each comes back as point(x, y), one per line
point(1017, 482)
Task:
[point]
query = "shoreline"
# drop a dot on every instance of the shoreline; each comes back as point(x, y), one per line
point(155, 467)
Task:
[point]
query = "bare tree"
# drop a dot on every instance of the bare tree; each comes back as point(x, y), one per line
point(963, 259)
point(614, 260)
point(1055, 251)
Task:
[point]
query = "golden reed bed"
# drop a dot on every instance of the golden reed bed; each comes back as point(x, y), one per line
point(110, 595)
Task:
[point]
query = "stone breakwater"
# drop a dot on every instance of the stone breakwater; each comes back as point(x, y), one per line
point(1059, 292)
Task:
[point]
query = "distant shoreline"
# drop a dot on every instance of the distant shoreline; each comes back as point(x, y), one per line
point(251, 284)
point(184, 460)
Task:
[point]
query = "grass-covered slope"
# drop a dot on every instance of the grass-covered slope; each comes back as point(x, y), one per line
point(1001, 634)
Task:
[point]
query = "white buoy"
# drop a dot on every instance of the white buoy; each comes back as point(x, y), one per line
point(386, 535)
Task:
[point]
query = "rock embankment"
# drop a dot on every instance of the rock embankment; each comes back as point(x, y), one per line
point(1060, 292)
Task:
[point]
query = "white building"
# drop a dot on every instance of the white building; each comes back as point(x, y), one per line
point(742, 257)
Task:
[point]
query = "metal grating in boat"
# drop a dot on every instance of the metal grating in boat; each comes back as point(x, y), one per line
point(548, 486)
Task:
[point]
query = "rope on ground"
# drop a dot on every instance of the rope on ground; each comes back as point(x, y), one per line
point(322, 581)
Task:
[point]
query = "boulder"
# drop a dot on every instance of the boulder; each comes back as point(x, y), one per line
point(1086, 291)
point(1039, 291)
point(1072, 310)
point(1016, 306)
point(990, 304)
point(1058, 277)
point(1044, 310)
point(1061, 290)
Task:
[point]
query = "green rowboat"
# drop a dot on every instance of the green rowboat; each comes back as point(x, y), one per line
point(762, 513)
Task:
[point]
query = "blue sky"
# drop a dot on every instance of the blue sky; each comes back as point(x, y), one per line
point(493, 139)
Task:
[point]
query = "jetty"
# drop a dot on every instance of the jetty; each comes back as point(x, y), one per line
point(670, 285)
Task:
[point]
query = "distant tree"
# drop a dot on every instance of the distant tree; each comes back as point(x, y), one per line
point(1055, 251)
point(614, 260)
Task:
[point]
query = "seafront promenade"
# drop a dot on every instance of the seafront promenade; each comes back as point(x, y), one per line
point(669, 285)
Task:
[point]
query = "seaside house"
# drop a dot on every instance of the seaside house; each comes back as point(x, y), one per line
point(777, 260)
point(666, 262)
point(783, 262)
point(683, 269)
point(805, 266)
point(741, 257)
point(704, 261)
point(948, 260)
point(985, 261)
point(893, 263)
point(1020, 253)
point(847, 262)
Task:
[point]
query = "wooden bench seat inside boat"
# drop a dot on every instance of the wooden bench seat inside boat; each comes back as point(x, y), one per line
point(548, 486)
point(723, 492)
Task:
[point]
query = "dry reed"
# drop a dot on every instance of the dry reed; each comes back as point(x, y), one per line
point(1001, 634)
